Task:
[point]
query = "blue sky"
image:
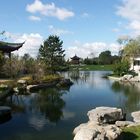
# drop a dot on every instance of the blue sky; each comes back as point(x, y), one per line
point(85, 26)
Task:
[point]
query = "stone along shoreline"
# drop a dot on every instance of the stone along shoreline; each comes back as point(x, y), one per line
point(105, 123)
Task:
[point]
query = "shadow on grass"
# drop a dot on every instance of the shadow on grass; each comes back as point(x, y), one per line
point(128, 136)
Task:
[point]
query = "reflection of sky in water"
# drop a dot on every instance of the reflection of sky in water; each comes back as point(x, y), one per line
point(52, 114)
point(37, 122)
point(68, 115)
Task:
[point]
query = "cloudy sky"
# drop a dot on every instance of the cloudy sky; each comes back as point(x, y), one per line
point(85, 26)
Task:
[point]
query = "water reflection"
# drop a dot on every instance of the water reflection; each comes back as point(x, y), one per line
point(129, 95)
point(50, 104)
point(53, 113)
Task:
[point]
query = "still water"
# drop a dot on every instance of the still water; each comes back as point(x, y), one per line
point(52, 114)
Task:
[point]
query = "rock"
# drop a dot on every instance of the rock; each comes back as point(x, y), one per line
point(83, 125)
point(21, 81)
point(103, 115)
point(126, 77)
point(29, 87)
point(86, 134)
point(3, 86)
point(64, 83)
point(123, 123)
point(134, 124)
point(92, 131)
point(136, 116)
point(5, 110)
point(112, 132)
point(5, 114)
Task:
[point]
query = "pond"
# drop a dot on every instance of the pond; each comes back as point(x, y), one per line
point(52, 114)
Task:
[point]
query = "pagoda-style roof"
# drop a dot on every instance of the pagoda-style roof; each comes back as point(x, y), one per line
point(9, 47)
point(75, 57)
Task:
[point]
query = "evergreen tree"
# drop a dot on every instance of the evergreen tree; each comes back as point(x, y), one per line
point(52, 53)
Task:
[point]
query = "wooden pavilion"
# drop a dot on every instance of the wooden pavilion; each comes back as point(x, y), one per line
point(7, 48)
point(75, 60)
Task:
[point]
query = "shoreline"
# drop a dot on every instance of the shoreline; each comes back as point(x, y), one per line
point(114, 78)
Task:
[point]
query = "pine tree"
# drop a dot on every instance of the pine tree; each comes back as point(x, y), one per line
point(52, 53)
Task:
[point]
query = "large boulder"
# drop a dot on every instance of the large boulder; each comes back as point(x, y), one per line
point(92, 131)
point(21, 81)
point(127, 77)
point(64, 83)
point(105, 115)
point(4, 111)
point(123, 123)
point(136, 116)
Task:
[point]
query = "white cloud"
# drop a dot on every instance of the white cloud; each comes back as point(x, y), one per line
point(32, 43)
point(84, 50)
point(130, 10)
point(34, 18)
point(57, 31)
point(50, 10)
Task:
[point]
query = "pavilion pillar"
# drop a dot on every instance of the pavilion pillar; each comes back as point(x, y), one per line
point(10, 64)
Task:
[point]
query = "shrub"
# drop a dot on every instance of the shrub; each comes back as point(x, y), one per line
point(121, 68)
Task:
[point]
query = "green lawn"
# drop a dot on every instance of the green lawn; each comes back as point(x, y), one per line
point(131, 133)
point(95, 67)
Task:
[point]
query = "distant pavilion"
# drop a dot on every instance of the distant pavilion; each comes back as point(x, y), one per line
point(75, 60)
point(7, 48)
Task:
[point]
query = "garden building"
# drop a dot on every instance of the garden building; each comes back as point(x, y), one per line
point(135, 64)
point(75, 60)
point(7, 48)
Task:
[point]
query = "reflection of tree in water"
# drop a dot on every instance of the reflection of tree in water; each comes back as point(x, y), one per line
point(50, 103)
point(131, 93)
point(77, 75)
point(15, 102)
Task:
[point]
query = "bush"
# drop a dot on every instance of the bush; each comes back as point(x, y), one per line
point(121, 68)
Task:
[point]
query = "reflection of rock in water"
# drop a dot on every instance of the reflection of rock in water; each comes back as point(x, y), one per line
point(5, 114)
point(5, 119)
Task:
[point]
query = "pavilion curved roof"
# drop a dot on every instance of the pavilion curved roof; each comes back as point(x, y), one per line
point(75, 57)
point(9, 47)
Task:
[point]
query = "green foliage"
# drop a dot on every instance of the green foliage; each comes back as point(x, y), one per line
point(132, 48)
point(51, 77)
point(13, 67)
point(131, 133)
point(28, 63)
point(1, 60)
point(121, 68)
point(52, 54)
point(105, 57)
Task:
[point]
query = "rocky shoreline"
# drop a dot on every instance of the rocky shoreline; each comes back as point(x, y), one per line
point(105, 123)
point(126, 78)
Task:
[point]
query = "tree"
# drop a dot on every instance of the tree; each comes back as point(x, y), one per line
point(121, 67)
point(12, 68)
point(132, 49)
point(52, 53)
point(28, 63)
point(105, 57)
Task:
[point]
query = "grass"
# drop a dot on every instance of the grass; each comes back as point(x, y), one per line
point(131, 133)
point(95, 67)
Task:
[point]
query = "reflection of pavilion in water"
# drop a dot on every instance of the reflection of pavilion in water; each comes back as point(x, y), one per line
point(89, 78)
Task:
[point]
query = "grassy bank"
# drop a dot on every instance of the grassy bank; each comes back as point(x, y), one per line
point(131, 133)
point(95, 67)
